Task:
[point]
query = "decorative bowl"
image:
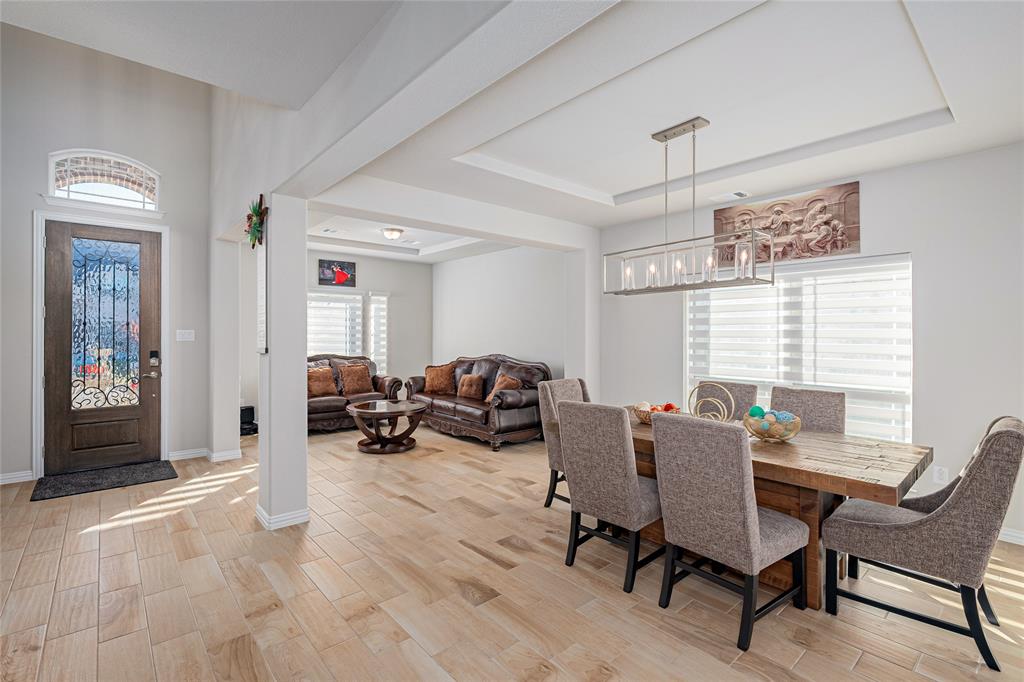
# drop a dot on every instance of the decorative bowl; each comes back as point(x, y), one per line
point(645, 415)
point(771, 430)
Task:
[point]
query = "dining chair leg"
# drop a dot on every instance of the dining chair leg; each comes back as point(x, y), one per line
point(749, 608)
point(667, 577)
point(574, 537)
point(631, 559)
point(990, 615)
point(552, 484)
point(799, 561)
point(970, 601)
point(852, 566)
point(831, 581)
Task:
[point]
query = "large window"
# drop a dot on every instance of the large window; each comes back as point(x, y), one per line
point(101, 177)
point(348, 324)
point(844, 326)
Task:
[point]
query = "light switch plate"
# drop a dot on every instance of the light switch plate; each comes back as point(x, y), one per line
point(186, 335)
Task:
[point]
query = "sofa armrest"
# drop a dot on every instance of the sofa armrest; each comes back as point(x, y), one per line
point(509, 399)
point(414, 385)
point(389, 386)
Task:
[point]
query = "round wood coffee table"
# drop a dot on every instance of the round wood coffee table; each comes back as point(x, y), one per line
point(369, 417)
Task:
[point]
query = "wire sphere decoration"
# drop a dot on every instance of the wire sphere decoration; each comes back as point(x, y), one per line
point(711, 408)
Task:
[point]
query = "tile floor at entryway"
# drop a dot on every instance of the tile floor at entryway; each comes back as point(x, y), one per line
point(435, 564)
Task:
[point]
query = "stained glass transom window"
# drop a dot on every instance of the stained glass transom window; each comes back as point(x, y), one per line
point(104, 179)
point(104, 323)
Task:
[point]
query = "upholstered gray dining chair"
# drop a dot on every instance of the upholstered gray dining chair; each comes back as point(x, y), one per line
point(944, 539)
point(706, 485)
point(600, 468)
point(744, 396)
point(818, 410)
point(551, 392)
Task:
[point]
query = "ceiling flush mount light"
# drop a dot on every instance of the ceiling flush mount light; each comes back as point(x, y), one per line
point(392, 233)
point(694, 263)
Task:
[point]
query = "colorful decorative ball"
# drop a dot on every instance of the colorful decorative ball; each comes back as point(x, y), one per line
point(756, 411)
point(765, 426)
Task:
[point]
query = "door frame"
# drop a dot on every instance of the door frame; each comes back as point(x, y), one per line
point(39, 218)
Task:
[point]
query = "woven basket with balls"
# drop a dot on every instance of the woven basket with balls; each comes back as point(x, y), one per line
point(770, 425)
point(644, 410)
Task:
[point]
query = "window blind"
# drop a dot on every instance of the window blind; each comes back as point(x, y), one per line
point(334, 324)
point(843, 326)
point(379, 331)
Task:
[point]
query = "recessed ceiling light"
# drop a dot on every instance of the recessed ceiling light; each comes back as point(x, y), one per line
point(392, 233)
point(729, 196)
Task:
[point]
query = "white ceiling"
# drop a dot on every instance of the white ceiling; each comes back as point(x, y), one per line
point(277, 52)
point(345, 234)
point(797, 93)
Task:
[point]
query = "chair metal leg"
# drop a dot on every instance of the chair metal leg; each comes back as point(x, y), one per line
point(970, 601)
point(799, 561)
point(631, 559)
point(749, 607)
point(852, 566)
point(990, 615)
point(831, 581)
point(667, 578)
point(552, 484)
point(574, 537)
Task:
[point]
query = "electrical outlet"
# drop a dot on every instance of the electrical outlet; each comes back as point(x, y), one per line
point(940, 475)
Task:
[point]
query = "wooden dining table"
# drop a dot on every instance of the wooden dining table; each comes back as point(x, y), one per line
point(807, 477)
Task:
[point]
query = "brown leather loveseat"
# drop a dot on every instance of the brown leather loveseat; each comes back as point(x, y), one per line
point(327, 413)
point(513, 416)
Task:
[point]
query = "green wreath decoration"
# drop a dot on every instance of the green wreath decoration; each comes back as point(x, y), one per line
point(256, 222)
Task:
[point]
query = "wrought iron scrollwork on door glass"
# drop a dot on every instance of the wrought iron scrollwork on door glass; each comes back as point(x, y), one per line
point(104, 323)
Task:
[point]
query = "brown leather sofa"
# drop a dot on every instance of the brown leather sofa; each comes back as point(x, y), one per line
point(512, 417)
point(327, 413)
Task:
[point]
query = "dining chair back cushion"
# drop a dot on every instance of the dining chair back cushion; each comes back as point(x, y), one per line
point(706, 484)
point(600, 465)
point(955, 541)
point(744, 396)
point(550, 393)
point(823, 411)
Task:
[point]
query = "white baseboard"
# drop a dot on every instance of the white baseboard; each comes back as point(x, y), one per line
point(17, 477)
point(281, 520)
point(1011, 535)
point(225, 455)
point(188, 454)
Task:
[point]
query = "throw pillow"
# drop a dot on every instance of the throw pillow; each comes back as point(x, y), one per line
point(440, 379)
point(504, 382)
point(355, 379)
point(320, 382)
point(471, 386)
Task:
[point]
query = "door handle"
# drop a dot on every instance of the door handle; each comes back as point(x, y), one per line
point(151, 375)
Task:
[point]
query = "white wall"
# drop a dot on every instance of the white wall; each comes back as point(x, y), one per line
point(962, 221)
point(510, 302)
point(57, 96)
point(408, 286)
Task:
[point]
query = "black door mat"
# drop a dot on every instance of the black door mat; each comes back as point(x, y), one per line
point(62, 485)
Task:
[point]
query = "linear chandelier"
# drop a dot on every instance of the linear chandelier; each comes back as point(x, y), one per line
point(707, 262)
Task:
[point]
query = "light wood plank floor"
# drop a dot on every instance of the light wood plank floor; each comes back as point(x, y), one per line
point(436, 564)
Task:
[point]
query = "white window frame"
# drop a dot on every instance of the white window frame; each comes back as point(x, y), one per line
point(367, 316)
point(52, 199)
point(764, 387)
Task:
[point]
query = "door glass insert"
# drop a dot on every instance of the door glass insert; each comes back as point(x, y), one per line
point(104, 323)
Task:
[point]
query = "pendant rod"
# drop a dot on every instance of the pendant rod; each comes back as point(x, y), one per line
point(665, 145)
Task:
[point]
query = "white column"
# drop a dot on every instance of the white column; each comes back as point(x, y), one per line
point(583, 315)
point(283, 459)
point(224, 361)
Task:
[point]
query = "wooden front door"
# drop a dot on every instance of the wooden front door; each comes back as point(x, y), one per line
point(101, 350)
